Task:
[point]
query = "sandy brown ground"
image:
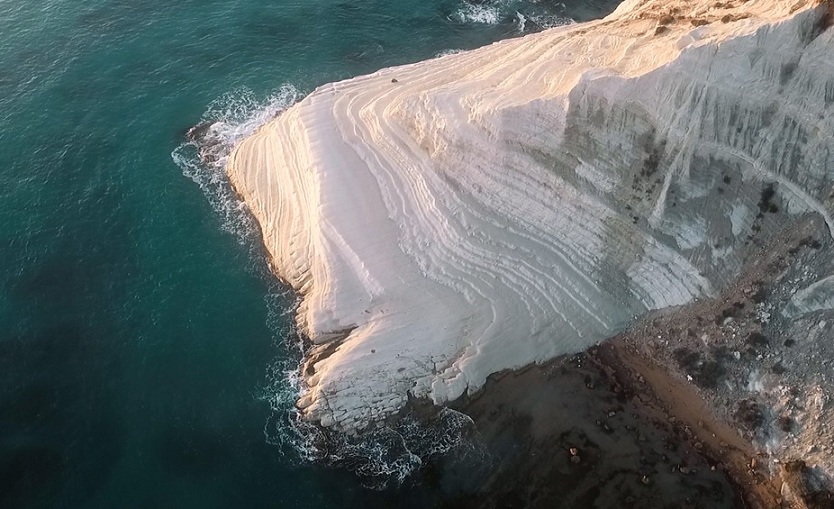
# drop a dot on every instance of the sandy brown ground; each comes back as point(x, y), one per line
point(694, 421)
point(585, 432)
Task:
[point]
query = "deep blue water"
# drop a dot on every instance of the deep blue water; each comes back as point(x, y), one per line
point(142, 338)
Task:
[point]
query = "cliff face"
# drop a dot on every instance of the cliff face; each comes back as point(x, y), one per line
point(485, 210)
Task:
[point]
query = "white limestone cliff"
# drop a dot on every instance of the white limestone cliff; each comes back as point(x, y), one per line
point(489, 209)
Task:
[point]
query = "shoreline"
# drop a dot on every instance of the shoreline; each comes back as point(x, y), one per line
point(672, 214)
point(499, 211)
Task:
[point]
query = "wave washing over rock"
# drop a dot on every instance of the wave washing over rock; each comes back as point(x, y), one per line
point(227, 121)
point(489, 209)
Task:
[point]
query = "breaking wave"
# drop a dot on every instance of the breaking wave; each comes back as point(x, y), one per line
point(483, 13)
point(447, 52)
point(202, 157)
point(526, 16)
point(386, 456)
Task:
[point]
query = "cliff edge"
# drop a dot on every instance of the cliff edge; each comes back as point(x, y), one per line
point(486, 210)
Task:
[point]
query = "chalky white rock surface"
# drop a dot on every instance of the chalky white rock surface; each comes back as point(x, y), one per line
point(502, 206)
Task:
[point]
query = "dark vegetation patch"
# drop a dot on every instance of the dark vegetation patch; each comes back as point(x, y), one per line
point(786, 72)
point(757, 339)
point(750, 414)
point(760, 295)
point(785, 423)
point(808, 241)
point(652, 161)
point(728, 312)
point(705, 371)
point(766, 200)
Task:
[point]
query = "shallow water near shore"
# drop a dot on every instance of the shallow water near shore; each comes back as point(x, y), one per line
point(144, 344)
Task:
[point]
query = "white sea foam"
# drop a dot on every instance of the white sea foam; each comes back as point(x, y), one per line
point(236, 115)
point(228, 120)
point(485, 13)
point(521, 21)
point(202, 158)
point(527, 16)
point(448, 52)
point(545, 21)
point(387, 455)
point(383, 458)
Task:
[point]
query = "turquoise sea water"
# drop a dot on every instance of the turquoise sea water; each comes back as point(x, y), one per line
point(142, 339)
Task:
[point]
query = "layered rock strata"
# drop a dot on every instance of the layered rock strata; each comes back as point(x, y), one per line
point(499, 207)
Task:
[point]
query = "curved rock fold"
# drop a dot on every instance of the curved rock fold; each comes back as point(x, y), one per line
point(485, 210)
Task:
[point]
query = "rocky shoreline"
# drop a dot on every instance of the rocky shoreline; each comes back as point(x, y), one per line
point(665, 179)
point(531, 198)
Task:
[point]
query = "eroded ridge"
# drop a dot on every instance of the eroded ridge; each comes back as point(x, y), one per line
point(489, 209)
